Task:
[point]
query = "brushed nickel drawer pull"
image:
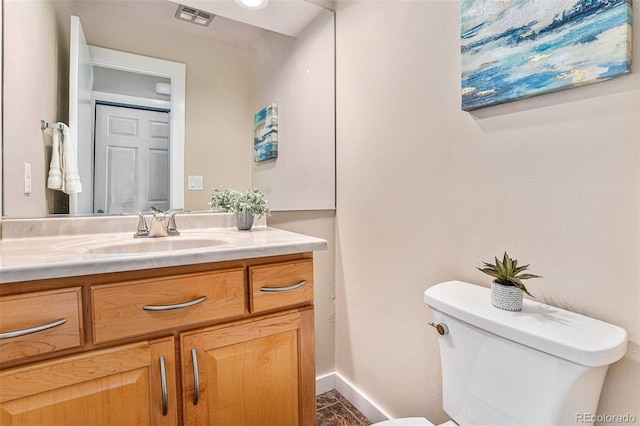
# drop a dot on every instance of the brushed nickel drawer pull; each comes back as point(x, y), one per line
point(196, 379)
point(23, 332)
point(165, 396)
point(281, 289)
point(174, 306)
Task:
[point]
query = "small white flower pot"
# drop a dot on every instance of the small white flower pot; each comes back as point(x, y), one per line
point(508, 298)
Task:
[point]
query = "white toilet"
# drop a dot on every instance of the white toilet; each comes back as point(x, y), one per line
point(540, 366)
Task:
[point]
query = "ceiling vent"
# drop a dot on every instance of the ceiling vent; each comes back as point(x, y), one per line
point(193, 15)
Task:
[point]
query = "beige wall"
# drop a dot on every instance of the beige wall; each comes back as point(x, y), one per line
point(31, 93)
point(218, 100)
point(427, 191)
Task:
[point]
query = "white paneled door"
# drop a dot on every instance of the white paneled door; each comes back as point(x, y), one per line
point(131, 159)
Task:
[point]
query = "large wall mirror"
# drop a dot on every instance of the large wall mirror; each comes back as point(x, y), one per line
point(234, 67)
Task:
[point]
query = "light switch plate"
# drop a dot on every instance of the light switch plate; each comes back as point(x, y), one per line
point(27, 178)
point(195, 183)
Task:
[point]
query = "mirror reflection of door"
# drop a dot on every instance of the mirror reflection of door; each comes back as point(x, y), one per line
point(131, 159)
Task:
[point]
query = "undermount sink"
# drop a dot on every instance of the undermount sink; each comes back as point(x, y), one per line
point(147, 245)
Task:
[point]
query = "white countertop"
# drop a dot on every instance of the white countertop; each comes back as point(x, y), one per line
point(43, 257)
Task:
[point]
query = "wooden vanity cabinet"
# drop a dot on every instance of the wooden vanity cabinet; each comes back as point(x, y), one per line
point(224, 353)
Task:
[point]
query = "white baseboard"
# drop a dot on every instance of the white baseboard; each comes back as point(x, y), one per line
point(362, 402)
point(325, 383)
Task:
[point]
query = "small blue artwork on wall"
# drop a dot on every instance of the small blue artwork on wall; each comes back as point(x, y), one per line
point(514, 49)
point(265, 126)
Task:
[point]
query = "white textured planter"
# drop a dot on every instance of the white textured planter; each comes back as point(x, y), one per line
point(244, 221)
point(506, 297)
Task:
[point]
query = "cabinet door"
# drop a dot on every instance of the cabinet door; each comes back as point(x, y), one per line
point(259, 372)
point(127, 385)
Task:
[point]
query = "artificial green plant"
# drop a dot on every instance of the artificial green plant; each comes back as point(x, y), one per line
point(235, 201)
point(507, 272)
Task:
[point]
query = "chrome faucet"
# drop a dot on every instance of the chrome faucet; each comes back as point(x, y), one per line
point(157, 227)
point(163, 224)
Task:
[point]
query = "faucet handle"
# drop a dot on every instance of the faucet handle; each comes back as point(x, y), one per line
point(142, 230)
point(172, 229)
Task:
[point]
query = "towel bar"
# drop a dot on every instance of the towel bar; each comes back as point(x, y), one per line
point(46, 124)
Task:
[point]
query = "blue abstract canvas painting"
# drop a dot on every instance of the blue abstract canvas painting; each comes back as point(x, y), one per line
point(514, 49)
point(265, 125)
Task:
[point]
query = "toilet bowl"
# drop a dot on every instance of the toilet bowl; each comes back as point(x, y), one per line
point(538, 366)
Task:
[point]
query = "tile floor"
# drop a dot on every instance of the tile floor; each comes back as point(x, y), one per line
point(334, 410)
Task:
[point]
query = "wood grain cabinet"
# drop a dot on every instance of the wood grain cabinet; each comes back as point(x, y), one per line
point(125, 385)
point(228, 343)
point(250, 373)
point(277, 285)
point(139, 307)
point(41, 322)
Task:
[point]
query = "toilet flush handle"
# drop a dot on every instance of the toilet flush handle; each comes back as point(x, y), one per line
point(441, 328)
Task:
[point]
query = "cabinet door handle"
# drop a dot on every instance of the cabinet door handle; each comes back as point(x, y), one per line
point(36, 329)
point(174, 306)
point(165, 396)
point(196, 379)
point(285, 288)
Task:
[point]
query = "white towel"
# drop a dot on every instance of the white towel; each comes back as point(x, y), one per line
point(55, 171)
point(63, 170)
point(71, 178)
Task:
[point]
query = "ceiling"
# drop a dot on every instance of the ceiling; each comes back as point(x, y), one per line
point(248, 27)
point(287, 17)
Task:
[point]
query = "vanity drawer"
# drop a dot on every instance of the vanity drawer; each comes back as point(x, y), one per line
point(145, 306)
point(281, 284)
point(40, 322)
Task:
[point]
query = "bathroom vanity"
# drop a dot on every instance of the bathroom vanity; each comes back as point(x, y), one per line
point(222, 334)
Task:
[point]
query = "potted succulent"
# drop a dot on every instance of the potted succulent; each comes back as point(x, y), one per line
point(507, 288)
point(244, 206)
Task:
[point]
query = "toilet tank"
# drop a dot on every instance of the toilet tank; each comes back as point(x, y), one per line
point(540, 366)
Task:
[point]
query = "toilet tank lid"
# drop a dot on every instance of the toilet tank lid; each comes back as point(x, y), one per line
point(568, 335)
